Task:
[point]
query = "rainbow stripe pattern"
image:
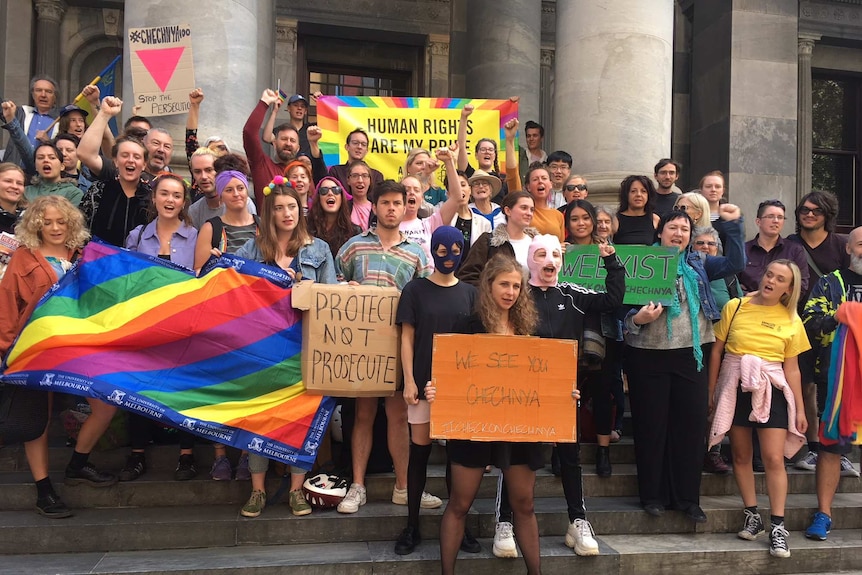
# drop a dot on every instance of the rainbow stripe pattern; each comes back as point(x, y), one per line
point(218, 356)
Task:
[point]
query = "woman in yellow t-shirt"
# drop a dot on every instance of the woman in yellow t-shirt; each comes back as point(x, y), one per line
point(759, 386)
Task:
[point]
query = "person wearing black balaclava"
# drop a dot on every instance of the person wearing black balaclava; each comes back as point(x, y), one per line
point(427, 306)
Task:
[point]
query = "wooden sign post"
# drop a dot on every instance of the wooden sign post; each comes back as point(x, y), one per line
point(504, 388)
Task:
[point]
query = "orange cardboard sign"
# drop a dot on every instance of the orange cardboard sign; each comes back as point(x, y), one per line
point(504, 388)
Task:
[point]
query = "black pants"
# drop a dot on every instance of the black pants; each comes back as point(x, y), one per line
point(141, 433)
point(669, 405)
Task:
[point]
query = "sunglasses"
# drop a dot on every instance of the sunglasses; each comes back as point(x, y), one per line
point(573, 187)
point(684, 208)
point(701, 243)
point(326, 190)
point(805, 210)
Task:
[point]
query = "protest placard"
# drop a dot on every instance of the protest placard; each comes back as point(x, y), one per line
point(650, 271)
point(396, 125)
point(162, 67)
point(504, 388)
point(350, 342)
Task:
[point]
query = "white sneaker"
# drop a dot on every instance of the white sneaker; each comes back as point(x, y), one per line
point(581, 537)
point(354, 499)
point(504, 541)
point(807, 463)
point(399, 497)
point(847, 469)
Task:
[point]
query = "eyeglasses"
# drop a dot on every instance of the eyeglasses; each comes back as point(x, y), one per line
point(805, 210)
point(358, 143)
point(325, 191)
point(701, 243)
point(684, 208)
point(573, 187)
point(359, 176)
point(475, 183)
point(776, 217)
point(486, 150)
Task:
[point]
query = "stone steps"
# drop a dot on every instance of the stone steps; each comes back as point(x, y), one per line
point(620, 555)
point(189, 526)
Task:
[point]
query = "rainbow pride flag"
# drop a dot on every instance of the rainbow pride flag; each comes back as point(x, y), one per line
point(218, 356)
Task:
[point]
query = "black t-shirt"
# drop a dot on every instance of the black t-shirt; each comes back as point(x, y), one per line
point(829, 256)
point(466, 229)
point(664, 203)
point(853, 283)
point(431, 309)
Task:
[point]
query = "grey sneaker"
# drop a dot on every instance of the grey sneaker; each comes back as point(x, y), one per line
point(221, 470)
point(807, 463)
point(847, 469)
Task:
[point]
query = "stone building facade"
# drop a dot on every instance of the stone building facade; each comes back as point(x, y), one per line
point(767, 91)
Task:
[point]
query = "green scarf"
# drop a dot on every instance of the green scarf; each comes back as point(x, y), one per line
point(692, 296)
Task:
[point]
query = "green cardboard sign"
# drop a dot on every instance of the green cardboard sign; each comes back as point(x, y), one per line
point(650, 271)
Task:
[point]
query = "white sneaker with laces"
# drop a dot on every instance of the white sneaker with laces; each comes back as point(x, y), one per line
point(399, 497)
point(354, 499)
point(807, 463)
point(778, 546)
point(847, 469)
point(581, 537)
point(504, 541)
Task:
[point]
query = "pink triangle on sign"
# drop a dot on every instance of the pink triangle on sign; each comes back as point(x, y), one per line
point(161, 63)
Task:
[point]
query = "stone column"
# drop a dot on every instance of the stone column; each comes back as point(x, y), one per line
point(546, 101)
point(804, 116)
point(49, 14)
point(503, 55)
point(612, 103)
point(232, 45)
point(438, 66)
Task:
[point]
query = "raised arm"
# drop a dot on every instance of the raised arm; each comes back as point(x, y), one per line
point(196, 96)
point(88, 149)
point(18, 137)
point(449, 208)
point(267, 136)
point(513, 176)
point(91, 93)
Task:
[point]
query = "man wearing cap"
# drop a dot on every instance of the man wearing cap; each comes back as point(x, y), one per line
point(297, 109)
point(357, 148)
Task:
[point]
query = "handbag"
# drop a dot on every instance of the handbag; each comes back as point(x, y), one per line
point(592, 351)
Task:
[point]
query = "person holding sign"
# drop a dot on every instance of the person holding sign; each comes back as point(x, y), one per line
point(284, 242)
point(384, 257)
point(668, 387)
point(504, 307)
point(428, 306)
point(562, 314)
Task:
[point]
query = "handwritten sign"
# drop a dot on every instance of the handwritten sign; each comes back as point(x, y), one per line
point(650, 271)
point(163, 71)
point(396, 125)
point(350, 342)
point(504, 388)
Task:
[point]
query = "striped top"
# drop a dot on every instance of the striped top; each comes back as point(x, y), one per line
point(362, 259)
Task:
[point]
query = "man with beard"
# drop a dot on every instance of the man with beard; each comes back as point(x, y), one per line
point(666, 175)
point(209, 205)
point(825, 252)
point(357, 149)
point(382, 256)
point(819, 316)
point(286, 145)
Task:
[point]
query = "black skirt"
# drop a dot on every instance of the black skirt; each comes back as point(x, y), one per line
point(778, 418)
point(502, 454)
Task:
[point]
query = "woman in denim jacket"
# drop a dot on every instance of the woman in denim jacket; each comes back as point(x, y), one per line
point(284, 241)
point(668, 387)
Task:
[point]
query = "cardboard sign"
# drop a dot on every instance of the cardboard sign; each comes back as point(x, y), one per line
point(163, 71)
point(504, 388)
point(396, 125)
point(650, 271)
point(350, 342)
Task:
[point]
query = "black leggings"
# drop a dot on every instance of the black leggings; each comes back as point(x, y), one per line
point(141, 433)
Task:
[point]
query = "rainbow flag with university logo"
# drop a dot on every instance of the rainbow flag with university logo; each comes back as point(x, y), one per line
point(218, 355)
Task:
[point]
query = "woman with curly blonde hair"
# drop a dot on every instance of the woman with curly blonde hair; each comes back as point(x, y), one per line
point(51, 233)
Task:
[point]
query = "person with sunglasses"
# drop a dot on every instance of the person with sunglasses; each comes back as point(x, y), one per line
point(329, 216)
point(768, 246)
point(575, 188)
point(696, 206)
point(825, 252)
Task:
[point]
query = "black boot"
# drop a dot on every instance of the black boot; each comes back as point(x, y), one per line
point(603, 461)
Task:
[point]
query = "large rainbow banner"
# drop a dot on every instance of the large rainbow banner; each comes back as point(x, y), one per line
point(218, 356)
point(396, 125)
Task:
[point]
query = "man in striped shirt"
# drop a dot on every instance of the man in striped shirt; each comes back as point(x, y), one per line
point(381, 256)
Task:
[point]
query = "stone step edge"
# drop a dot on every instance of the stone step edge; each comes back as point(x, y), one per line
point(616, 553)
